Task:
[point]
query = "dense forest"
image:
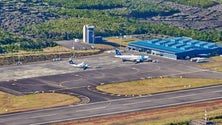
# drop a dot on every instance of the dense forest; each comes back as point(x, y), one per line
point(10, 42)
point(109, 17)
point(72, 28)
point(110, 22)
point(137, 8)
point(87, 4)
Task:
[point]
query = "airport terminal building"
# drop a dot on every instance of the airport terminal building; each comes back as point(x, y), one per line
point(176, 48)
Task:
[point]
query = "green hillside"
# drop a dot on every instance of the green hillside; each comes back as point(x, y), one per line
point(34, 24)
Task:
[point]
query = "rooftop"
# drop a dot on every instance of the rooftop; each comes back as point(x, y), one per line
point(175, 45)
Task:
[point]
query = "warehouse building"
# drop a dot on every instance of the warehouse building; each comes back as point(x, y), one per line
point(176, 48)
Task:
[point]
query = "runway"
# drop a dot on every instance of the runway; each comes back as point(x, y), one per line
point(117, 106)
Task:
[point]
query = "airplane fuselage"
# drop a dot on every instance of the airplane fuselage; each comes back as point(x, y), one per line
point(134, 58)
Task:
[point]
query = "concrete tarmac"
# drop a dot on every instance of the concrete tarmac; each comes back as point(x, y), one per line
point(111, 70)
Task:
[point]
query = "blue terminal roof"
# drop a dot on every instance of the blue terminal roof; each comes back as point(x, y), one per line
point(175, 45)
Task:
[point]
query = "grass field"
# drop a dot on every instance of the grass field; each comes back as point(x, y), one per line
point(62, 49)
point(48, 51)
point(161, 116)
point(121, 41)
point(47, 54)
point(103, 47)
point(156, 85)
point(11, 103)
point(215, 65)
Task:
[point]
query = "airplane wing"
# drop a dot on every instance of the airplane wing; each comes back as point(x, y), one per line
point(82, 65)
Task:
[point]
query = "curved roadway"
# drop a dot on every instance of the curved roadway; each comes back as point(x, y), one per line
point(73, 112)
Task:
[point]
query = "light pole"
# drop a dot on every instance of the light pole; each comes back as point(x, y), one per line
point(67, 35)
point(73, 49)
point(73, 44)
point(93, 40)
point(18, 52)
point(19, 62)
point(59, 53)
point(120, 36)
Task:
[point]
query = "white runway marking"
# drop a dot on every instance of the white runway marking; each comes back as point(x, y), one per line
point(43, 116)
point(90, 109)
point(137, 102)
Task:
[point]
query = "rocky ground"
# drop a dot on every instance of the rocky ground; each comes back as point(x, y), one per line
point(191, 17)
point(15, 14)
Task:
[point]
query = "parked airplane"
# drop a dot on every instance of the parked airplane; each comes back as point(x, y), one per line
point(82, 65)
point(199, 60)
point(134, 58)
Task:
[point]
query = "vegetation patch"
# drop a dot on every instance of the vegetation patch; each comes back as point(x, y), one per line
point(120, 41)
point(87, 4)
point(9, 42)
point(106, 25)
point(156, 85)
point(44, 21)
point(46, 54)
point(130, 8)
point(10, 103)
point(110, 22)
point(144, 9)
point(104, 46)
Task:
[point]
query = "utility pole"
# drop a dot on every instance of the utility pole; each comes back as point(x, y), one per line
point(18, 52)
point(205, 115)
point(19, 61)
point(67, 35)
point(93, 40)
point(59, 52)
point(73, 54)
point(120, 36)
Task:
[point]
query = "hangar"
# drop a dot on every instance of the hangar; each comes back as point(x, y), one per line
point(177, 48)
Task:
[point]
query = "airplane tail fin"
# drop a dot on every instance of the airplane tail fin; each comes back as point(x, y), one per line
point(71, 61)
point(85, 66)
point(118, 52)
point(143, 57)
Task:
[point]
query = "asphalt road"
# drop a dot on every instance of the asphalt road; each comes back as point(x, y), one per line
point(111, 107)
